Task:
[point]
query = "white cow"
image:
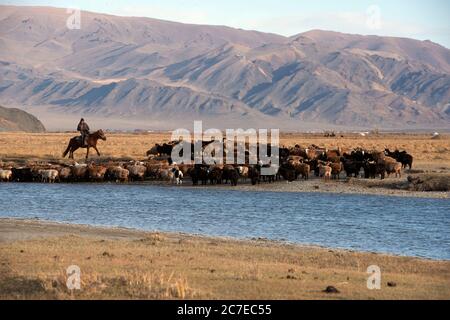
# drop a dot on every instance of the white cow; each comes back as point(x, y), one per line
point(177, 176)
point(48, 175)
point(5, 175)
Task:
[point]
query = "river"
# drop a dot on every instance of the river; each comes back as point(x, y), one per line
point(403, 226)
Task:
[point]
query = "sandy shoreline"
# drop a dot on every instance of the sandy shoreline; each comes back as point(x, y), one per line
point(24, 229)
point(155, 265)
point(388, 187)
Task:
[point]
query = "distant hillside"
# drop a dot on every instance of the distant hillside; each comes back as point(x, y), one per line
point(151, 70)
point(12, 119)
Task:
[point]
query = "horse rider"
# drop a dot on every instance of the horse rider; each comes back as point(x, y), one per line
point(84, 130)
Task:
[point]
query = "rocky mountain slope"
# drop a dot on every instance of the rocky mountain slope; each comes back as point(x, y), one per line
point(12, 119)
point(139, 68)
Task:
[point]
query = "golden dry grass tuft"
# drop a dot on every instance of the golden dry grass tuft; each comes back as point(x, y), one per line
point(106, 272)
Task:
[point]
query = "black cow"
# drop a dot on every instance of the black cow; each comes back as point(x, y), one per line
point(372, 169)
point(22, 174)
point(254, 173)
point(403, 157)
point(215, 175)
point(232, 174)
point(288, 174)
point(284, 154)
point(199, 173)
point(352, 167)
point(165, 149)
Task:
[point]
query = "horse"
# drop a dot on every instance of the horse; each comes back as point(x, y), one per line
point(75, 143)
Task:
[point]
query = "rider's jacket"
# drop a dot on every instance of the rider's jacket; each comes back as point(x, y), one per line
point(83, 127)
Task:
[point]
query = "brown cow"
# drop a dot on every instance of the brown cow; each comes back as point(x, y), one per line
point(336, 169)
point(79, 172)
point(137, 171)
point(96, 173)
point(325, 171)
point(392, 166)
point(378, 157)
point(65, 173)
point(303, 170)
point(117, 174)
point(331, 154)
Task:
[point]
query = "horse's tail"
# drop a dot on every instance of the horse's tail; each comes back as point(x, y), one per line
point(67, 151)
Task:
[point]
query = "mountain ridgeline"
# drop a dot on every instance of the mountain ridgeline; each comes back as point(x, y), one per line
point(138, 68)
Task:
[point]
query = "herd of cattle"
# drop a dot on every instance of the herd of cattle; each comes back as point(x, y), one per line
point(294, 163)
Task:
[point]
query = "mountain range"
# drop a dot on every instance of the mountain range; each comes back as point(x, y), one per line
point(147, 73)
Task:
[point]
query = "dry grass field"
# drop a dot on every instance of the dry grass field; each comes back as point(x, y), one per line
point(127, 264)
point(428, 153)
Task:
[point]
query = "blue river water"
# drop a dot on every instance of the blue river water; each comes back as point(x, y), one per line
point(403, 226)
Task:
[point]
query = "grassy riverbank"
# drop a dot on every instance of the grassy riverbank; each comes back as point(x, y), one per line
point(130, 264)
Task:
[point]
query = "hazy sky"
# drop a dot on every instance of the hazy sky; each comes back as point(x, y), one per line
point(417, 19)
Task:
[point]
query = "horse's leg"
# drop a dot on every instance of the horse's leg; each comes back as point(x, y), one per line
point(87, 152)
point(74, 148)
point(66, 151)
point(72, 151)
point(95, 147)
